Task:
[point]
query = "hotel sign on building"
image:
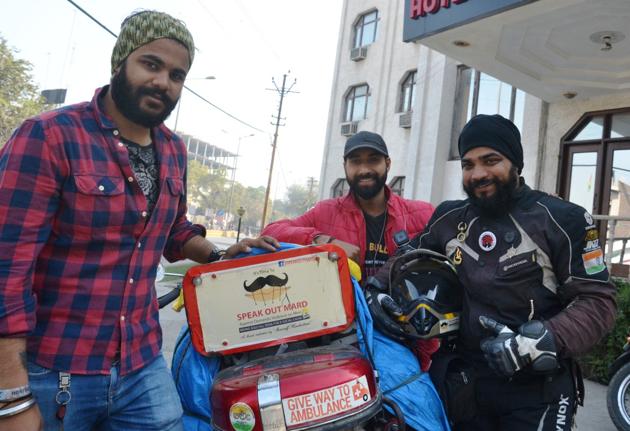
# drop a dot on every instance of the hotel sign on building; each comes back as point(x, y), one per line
point(427, 17)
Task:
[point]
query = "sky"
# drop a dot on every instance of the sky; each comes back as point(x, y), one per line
point(242, 43)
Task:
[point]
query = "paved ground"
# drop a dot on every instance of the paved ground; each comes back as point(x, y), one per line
point(593, 416)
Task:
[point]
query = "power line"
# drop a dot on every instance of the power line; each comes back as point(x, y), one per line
point(192, 91)
point(223, 111)
point(92, 18)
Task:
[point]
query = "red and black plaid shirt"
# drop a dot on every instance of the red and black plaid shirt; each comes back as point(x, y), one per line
point(78, 256)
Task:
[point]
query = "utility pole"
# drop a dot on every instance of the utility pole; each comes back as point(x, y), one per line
point(311, 184)
point(282, 92)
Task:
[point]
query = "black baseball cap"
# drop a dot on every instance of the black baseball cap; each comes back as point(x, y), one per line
point(365, 139)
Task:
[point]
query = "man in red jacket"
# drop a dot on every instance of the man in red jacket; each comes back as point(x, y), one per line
point(364, 221)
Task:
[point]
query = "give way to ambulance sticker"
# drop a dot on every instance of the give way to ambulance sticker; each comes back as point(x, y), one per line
point(326, 402)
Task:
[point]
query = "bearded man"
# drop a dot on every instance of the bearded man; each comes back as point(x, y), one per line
point(364, 221)
point(535, 290)
point(91, 196)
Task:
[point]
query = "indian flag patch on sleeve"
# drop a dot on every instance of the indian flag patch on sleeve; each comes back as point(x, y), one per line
point(594, 261)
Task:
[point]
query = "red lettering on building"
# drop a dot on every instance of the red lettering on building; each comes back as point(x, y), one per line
point(420, 8)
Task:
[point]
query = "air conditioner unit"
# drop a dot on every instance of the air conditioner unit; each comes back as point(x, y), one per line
point(404, 120)
point(358, 54)
point(349, 129)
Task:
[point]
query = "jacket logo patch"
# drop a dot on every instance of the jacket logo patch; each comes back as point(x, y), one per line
point(594, 261)
point(487, 241)
point(591, 234)
point(591, 245)
point(515, 264)
point(588, 218)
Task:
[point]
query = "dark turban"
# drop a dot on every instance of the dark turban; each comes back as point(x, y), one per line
point(493, 131)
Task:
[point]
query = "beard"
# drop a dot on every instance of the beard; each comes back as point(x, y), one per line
point(499, 203)
point(127, 99)
point(367, 192)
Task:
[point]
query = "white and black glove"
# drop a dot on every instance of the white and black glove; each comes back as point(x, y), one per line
point(510, 352)
point(384, 310)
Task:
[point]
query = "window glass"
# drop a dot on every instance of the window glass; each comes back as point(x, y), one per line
point(365, 29)
point(495, 97)
point(398, 185)
point(519, 109)
point(339, 188)
point(620, 204)
point(479, 93)
point(349, 106)
point(357, 35)
point(368, 33)
point(408, 94)
point(489, 95)
point(620, 125)
point(469, 75)
point(583, 169)
point(356, 103)
point(593, 130)
point(360, 105)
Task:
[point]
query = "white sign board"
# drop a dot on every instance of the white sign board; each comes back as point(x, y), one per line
point(278, 299)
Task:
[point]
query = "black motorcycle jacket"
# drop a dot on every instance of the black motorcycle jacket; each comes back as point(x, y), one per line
point(541, 260)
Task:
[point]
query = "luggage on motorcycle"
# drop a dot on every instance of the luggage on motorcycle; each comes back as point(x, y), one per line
point(268, 299)
point(322, 388)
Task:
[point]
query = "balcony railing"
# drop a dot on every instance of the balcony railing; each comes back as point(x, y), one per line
point(616, 244)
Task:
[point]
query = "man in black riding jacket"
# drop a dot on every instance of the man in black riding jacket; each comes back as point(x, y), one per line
point(536, 291)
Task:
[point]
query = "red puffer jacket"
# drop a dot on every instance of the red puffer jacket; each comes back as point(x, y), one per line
point(343, 219)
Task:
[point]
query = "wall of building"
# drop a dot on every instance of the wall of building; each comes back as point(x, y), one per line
point(421, 153)
point(387, 61)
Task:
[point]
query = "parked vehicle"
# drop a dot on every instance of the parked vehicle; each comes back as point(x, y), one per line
point(618, 398)
point(271, 345)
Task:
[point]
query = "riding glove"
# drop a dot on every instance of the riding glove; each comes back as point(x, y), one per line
point(510, 352)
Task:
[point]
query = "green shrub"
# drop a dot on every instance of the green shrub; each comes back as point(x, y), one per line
point(595, 364)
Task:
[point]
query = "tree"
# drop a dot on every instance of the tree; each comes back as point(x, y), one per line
point(298, 199)
point(206, 189)
point(19, 96)
point(252, 201)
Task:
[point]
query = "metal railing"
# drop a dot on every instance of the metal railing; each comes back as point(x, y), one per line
point(611, 237)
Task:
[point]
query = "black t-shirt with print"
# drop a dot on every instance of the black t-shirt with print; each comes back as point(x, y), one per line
point(145, 166)
point(376, 249)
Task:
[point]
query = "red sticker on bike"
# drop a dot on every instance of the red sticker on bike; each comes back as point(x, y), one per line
point(326, 402)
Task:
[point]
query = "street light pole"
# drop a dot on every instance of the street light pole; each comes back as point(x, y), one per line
point(238, 149)
point(240, 211)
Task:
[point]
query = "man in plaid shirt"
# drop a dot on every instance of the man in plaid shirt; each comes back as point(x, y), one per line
point(91, 196)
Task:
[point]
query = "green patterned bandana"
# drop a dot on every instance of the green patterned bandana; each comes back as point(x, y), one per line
point(144, 27)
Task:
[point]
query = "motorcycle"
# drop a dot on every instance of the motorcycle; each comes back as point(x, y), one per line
point(174, 292)
point(618, 396)
point(274, 348)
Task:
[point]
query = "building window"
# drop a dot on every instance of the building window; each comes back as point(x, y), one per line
point(595, 173)
point(479, 93)
point(339, 188)
point(408, 92)
point(365, 29)
point(397, 185)
point(357, 103)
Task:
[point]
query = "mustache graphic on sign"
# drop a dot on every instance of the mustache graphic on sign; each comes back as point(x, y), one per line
point(270, 280)
point(268, 288)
